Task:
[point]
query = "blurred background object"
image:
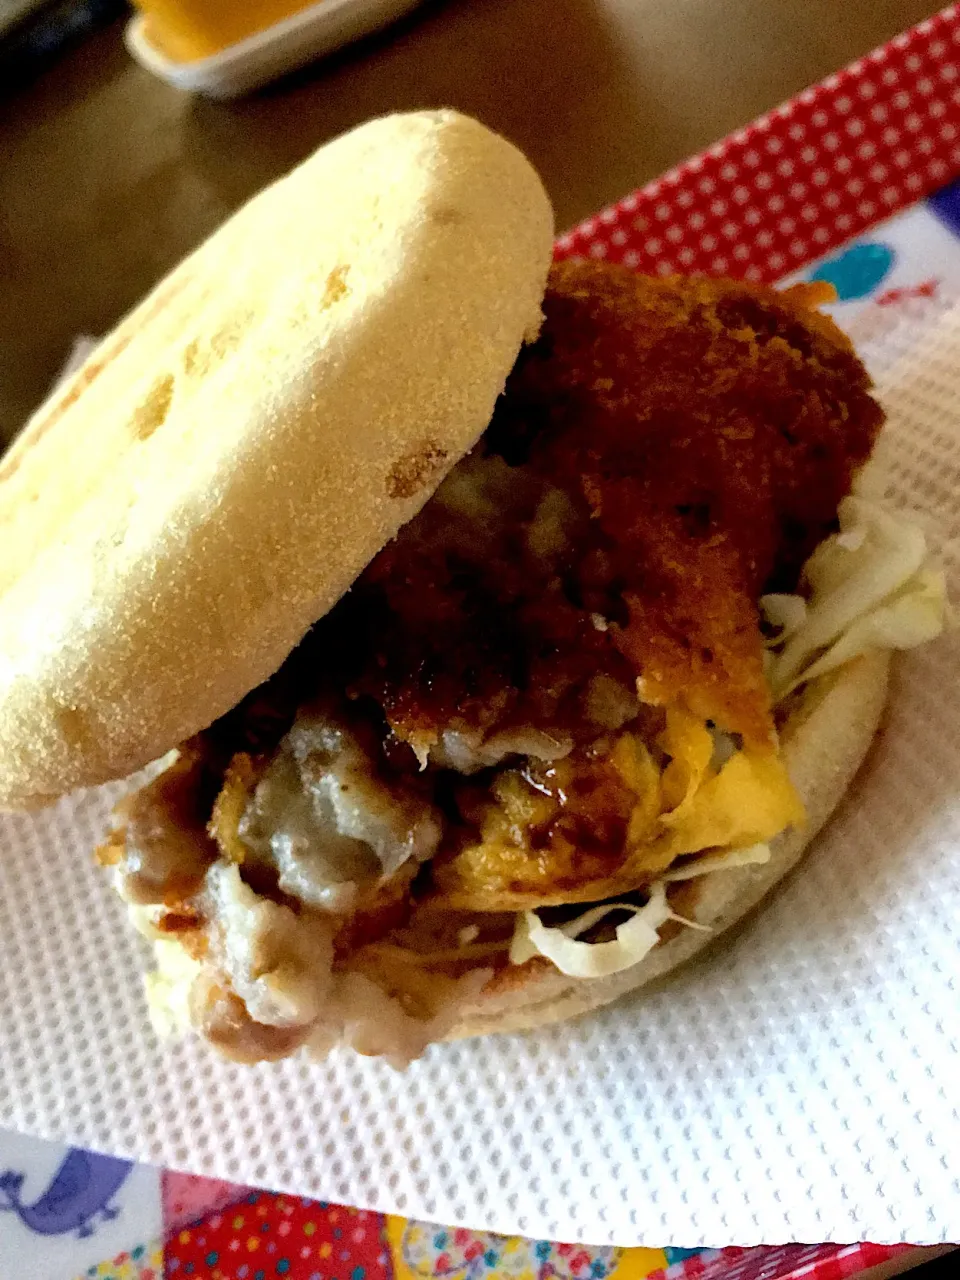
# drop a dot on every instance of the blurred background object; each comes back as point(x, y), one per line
point(225, 49)
point(34, 33)
point(109, 175)
point(11, 11)
point(206, 46)
point(188, 29)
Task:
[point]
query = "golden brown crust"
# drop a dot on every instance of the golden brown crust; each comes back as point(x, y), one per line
point(824, 743)
point(222, 468)
point(712, 427)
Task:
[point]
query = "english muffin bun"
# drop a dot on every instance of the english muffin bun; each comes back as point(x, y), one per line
point(824, 742)
point(216, 475)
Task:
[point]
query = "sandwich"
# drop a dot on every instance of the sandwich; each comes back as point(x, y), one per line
point(491, 635)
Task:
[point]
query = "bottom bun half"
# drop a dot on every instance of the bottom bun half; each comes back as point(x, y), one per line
point(823, 742)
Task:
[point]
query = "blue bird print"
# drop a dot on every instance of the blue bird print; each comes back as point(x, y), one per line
point(80, 1192)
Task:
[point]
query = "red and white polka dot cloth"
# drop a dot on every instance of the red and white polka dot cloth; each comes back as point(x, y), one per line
point(808, 176)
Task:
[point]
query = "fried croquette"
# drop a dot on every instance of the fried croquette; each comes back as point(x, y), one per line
point(685, 444)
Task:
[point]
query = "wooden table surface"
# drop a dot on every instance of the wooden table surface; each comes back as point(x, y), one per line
point(108, 176)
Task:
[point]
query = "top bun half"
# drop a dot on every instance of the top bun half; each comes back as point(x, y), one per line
point(227, 462)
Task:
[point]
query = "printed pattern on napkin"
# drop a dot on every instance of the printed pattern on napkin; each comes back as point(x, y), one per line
point(908, 266)
point(139, 1262)
point(264, 1236)
point(187, 1197)
point(267, 1235)
point(63, 1210)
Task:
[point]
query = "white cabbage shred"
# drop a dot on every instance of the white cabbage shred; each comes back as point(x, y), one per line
point(871, 586)
point(634, 938)
point(752, 855)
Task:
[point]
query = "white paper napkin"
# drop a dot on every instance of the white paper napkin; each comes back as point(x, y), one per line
point(799, 1084)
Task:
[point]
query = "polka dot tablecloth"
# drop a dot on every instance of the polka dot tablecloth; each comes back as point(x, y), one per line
point(809, 175)
point(273, 1236)
point(264, 1236)
point(778, 199)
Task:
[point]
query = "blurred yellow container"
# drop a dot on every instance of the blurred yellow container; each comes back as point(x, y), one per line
point(187, 30)
point(289, 34)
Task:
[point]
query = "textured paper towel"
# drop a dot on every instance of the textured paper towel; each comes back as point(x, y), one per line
point(800, 1084)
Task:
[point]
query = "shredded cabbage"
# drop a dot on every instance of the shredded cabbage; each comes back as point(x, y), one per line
point(752, 855)
point(912, 616)
point(785, 612)
point(634, 938)
point(871, 587)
